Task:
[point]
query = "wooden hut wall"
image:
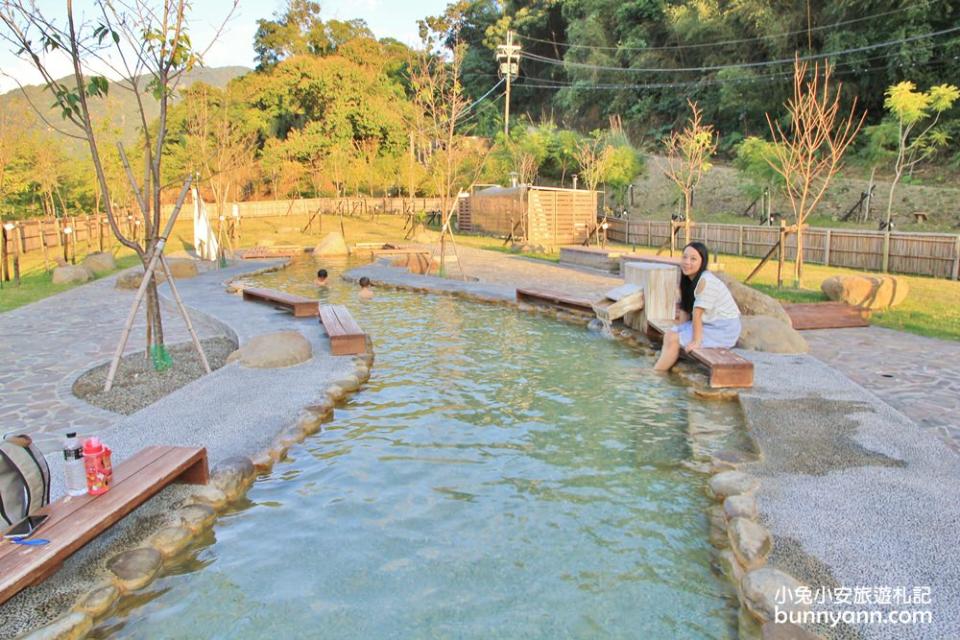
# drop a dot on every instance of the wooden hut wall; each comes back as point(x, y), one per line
point(496, 213)
point(561, 216)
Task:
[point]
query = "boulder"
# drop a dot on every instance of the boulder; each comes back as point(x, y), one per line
point(752, 302)
point(73, 625)
point(182, 268)
point(131, 279)
point(98, 601)
point(731, 483)
point(135, 569)
point(760, 587)
point(868, 292)
point(71, 273)
point(750, 542)
point(196, 517)
point(740, 506)
point(233, 475)
point(764, 333)
point(170, 541)
point(273, 350)
point(208, 495)
point(333, 244)
point(100, 263)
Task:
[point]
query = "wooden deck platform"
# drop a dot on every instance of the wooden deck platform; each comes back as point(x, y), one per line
point(826, 315)
point(75, 521)
point(555, 299)
point(300, 307)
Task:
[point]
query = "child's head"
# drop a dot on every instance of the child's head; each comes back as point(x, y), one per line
point(364, 282)
point(321, 275)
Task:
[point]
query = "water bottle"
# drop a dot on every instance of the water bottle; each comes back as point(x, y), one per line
point(73, 467)
point(98, 480)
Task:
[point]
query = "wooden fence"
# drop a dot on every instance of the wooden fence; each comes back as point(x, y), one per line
point(307, 206)
point(926, 254)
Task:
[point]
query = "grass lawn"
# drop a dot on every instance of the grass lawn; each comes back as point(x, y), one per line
point(932, 307)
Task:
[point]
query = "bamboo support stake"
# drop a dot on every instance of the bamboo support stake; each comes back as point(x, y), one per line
point(183, 312)
point(141, 291)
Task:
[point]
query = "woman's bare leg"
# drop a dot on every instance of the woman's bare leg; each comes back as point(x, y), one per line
point(670, 352)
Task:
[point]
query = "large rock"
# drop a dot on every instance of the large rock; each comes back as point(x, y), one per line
point(182, 268)
point(135, 569)
point(333, 244)
point(131, 279)
point(763, 333)
point(750, 541)
point(273, 350)
point(71, 273)
point(233, 476)
point(100, 263)
point(760, 589)
point(868, 292)
point(731, 483)
point(98, 601)
point(752, 302)
point(71, 626)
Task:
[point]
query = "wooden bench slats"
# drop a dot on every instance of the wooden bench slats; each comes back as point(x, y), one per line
point(301, 307)
point(346, 336)
point(825, 315)
point(73, 522)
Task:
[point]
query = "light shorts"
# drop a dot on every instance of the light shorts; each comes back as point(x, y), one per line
point(720, 334)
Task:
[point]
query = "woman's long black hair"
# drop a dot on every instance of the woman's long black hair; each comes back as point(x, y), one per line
point(688, 285)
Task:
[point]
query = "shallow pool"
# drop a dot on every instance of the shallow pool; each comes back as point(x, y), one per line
point(500, 476)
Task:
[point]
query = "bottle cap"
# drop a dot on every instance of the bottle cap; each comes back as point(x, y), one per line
point(92, 446)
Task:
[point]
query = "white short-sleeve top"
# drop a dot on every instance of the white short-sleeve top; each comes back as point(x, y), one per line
point(714, 298)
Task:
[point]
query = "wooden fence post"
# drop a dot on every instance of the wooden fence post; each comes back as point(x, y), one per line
point(740, 242)
point(99, 233)
point(886, 250)
point(43, 244)
point(826, 249)
point(956, 259)
point(59, 229)
point(649, 233)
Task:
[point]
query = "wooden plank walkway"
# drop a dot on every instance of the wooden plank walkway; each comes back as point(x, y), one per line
point(300, 307)
point(555, 299)
point(346, 336)
point(826, 315)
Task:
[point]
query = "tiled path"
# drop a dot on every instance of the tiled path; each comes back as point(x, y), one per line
point(916, 375)
point(47, 345)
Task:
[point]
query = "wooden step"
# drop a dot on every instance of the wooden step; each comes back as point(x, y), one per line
point(826, 315)
point(555, 299)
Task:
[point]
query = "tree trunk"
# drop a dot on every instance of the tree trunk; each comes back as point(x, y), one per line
point(798, 264)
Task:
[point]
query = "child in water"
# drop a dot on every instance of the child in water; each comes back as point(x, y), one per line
point(321, 280)
point(366, 291)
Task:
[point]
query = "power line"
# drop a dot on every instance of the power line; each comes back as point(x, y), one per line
point(726, 42)
point(743, 65)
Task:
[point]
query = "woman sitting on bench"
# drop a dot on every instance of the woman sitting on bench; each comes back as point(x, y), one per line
point(709, 316)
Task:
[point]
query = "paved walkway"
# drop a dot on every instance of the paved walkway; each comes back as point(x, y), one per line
point(47, 345)
point(916, 375)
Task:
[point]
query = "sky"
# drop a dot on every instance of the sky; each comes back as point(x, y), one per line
point(386, 18)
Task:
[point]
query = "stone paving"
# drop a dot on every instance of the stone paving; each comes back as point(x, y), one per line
point(47, 345)
point(917, 375)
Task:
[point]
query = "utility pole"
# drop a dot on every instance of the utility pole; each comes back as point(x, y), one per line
point(509, 57)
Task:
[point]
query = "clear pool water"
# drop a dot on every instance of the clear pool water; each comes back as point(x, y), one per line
point(500, 476)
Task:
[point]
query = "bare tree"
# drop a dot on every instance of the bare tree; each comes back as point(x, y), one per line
point(809, 154)
point(144, 43)
point(688, 158)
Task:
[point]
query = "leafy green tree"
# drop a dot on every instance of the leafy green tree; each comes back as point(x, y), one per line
point(913, 109)
point(755, 161)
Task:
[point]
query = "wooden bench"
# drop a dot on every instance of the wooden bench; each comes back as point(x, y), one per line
point(726, 369)
point(300, 306)
point(75, 521)
point(346, 336)
point(555, 299)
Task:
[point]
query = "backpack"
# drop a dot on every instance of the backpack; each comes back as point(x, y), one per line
point(24, 480)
